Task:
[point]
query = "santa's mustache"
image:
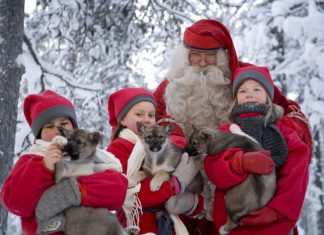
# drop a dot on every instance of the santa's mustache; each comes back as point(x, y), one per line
point(203, 70)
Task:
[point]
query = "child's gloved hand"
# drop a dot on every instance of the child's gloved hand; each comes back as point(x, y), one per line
point(186, 170)
point(57, 198)
point(258, 162)
point(264, 216)
point(95, 189)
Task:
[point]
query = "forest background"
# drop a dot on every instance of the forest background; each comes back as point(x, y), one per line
point(86, 49)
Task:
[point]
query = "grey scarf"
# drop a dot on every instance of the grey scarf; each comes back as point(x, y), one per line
point(268, 136)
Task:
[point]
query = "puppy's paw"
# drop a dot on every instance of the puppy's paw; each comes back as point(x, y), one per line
point(132, 230)
point(59, 140)
point(156, 184)
point(158, 180)
point(136, 178)
point(222, 230)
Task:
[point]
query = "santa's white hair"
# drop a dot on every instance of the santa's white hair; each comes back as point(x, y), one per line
point(196, 95)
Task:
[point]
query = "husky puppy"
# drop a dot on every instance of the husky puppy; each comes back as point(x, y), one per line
point(81, 151)
point(162, 156)
point(253, 193)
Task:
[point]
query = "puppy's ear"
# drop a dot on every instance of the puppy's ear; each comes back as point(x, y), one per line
point(63, 132)
point(205, 133)
point(140, 128)
point(95, 137)
point(169, 128)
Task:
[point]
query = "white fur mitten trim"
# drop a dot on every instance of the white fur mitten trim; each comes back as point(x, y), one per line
point(59, 140)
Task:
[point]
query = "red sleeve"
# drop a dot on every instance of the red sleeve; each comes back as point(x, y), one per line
point(159, 96)
point(25, 185)
point(219, 171)
point(122, 149)
point(104, 189)
point(152, 199)
point(295, 118)
point(292, 178)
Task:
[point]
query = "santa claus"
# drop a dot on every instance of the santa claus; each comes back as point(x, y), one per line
point(197, 90)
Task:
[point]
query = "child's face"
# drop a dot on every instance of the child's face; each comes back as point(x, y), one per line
point(143, 111)
point(49, 130)
point(251, 91)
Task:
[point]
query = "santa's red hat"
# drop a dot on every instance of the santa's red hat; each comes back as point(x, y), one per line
point(40, 109)
point(120, 102)
point(259, 74)
point(208, 34)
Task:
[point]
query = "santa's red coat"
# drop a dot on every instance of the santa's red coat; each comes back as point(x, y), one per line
point(30, 178)
point(292, 180)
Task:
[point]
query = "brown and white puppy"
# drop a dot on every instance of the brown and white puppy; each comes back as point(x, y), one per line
point(251, 194)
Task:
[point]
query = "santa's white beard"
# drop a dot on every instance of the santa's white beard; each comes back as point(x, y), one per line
point(198, 96)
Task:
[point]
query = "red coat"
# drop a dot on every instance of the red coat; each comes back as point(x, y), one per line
point(292, 180)
point(122, 149)
point(30, 178)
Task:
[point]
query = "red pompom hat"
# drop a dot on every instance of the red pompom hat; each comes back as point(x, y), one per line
point(120, 102)
point(208, 34)
point(40, 109)
point(259, 74)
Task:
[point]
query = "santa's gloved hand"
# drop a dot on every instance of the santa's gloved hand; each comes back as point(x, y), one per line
point(184, 203)
point(57, 198)
point(264, 216)
point(258, 162)
point(186, 170)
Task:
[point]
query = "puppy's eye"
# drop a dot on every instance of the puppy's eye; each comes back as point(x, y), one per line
point(149, 137)
point(161, 137)
point(80, 142)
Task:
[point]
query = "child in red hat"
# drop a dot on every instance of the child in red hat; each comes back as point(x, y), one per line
point(126, 107)
point(254, 112)
point(32, 178)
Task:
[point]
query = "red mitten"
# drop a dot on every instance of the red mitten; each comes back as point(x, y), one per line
point(252, 162)
point(264, 216)
point(104, 189)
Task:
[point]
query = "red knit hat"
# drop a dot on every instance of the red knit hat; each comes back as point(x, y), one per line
point(208, 34)
point(122, 101)
point(259, 74)
point(40, 109)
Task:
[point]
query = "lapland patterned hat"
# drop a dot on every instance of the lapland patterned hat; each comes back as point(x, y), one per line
point(120, 102)
point(208, 34)
point(259, 74)
point(40, 109)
